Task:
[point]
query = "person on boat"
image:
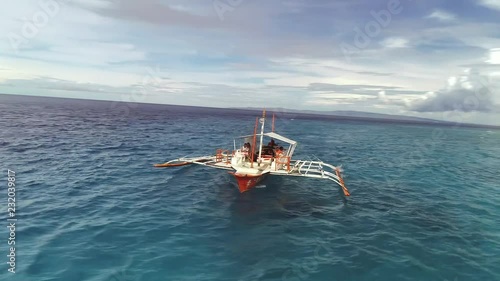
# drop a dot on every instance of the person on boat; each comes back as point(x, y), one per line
point(268, 151)
point(246, 150)
point(271, 143)
point(280, 152)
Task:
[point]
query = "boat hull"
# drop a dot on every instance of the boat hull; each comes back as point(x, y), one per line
point(247, 181)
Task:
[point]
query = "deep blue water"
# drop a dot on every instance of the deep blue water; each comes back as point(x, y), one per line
point(425, 201)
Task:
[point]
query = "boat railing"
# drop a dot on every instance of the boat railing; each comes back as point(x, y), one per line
point(282, 162)
point(305, 167)
point(223, 155)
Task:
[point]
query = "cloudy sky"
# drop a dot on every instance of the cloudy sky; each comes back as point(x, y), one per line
point(438, 59)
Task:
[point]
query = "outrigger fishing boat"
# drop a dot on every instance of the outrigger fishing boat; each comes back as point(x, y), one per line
point(251, 163)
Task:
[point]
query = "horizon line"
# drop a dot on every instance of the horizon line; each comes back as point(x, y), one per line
point(317, 113)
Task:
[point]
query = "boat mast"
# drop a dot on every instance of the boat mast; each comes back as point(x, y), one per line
point(254, 142)
point(263, 121)
point(273, 124)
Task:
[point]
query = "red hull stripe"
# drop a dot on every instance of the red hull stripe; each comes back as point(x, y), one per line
point(247, 182)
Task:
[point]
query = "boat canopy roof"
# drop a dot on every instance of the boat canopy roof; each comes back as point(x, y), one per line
point(275, 136)
point(280, 137)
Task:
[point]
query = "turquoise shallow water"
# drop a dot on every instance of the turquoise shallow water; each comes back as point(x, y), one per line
point(425, 201)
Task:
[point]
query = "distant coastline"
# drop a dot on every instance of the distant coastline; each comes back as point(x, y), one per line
point(280, 112)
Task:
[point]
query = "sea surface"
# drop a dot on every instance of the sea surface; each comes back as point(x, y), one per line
point(425, 201)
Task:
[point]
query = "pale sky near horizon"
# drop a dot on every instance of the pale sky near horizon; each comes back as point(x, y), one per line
point(435, 59)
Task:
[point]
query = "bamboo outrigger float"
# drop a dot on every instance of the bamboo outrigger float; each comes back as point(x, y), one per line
point(251, 163)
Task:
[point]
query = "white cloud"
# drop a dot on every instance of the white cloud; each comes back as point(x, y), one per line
point(470, 92)
point(342, 96)
point(395, 42)
point(382, 96)
point(442, 16)
point(494, 56)
point(492, 4)
point(30, 69)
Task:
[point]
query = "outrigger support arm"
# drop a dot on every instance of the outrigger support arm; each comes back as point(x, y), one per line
point(301, 168)
point(341, 182)
point(213, 161)
point(313, 169)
